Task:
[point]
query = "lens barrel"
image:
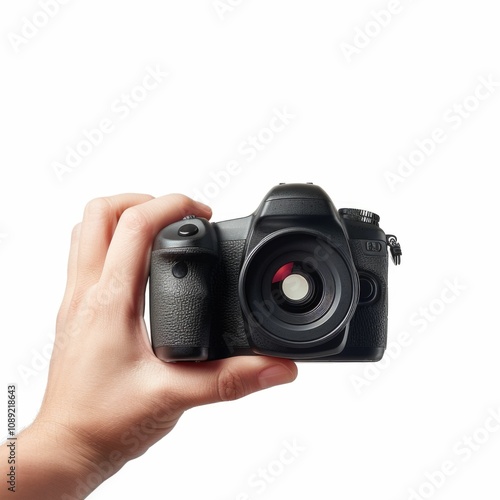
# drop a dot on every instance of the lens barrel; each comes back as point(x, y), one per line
point(324, 305)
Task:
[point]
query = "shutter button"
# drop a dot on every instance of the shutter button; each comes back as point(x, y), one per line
point(187, 230)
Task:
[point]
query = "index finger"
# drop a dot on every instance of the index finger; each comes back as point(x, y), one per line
point(128, 256)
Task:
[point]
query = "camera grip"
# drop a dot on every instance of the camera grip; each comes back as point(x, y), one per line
point(181, 302)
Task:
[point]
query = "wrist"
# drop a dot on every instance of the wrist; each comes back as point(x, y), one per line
point(71, 467)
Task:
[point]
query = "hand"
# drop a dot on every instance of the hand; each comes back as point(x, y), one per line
point(108, 397)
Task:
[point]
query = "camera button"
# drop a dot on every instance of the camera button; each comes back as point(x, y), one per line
point(180, 269)
point(188, 230)
point(368, 290)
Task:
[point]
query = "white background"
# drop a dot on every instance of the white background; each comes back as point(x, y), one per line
point(353, 120)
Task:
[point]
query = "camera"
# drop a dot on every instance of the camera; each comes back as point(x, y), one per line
point(297, 279)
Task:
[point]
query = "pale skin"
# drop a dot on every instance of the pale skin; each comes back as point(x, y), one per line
point(108, 398)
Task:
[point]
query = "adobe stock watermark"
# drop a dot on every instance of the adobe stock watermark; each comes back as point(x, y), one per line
point(261, 479)
point(462, 451)
point(38, 362)
point(224, 7)
point(419, 322)
point(248, 150)
point(453, 119)
point(32, 25)
point(121, 109)
point(365, 34)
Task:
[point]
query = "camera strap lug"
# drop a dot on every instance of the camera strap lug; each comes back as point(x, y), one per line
point(395, 248)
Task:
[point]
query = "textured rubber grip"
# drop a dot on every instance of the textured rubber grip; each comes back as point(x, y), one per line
point(368, 327)
point(181, 302)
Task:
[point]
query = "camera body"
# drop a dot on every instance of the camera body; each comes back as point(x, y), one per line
point(296, 279)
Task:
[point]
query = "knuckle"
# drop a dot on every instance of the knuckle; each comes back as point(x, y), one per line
point(182, 199)
point(182, 202)
point(230, 386)
point(134, 220)
point(98, 208)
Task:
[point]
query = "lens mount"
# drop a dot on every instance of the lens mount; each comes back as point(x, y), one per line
point(298, 288)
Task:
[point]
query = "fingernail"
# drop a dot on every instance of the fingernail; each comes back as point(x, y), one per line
point(203, 206)
point(275, 375)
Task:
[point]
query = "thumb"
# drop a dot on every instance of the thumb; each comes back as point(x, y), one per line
point(195, 384)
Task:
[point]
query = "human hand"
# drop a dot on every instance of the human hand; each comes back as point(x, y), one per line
point(108, 397)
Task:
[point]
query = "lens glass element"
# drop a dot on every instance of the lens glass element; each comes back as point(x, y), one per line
point(295, 287)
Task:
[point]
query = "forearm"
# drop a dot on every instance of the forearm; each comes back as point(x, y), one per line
point(50, 466)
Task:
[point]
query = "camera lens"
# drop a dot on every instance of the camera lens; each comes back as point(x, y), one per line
point(294, 289)
point(298, 287)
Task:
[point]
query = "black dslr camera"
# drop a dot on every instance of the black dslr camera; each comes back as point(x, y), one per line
point(296, 279)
